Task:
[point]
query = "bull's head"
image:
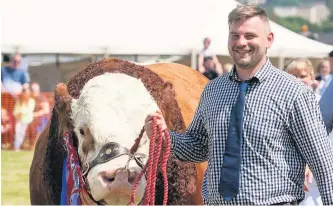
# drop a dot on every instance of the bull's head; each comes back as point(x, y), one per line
point(107, 118)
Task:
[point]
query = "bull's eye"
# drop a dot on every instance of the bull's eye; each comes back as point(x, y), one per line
point(81, 132)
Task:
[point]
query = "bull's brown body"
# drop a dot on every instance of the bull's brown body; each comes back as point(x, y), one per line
point(188, 85)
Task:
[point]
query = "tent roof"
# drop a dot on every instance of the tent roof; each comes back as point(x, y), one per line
point(145, 27)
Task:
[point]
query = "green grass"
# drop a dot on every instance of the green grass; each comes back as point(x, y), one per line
point(15, 168)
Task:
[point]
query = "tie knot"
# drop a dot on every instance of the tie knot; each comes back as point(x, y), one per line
point(242, 86)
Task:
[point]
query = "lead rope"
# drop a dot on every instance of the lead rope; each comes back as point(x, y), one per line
point(155, 148)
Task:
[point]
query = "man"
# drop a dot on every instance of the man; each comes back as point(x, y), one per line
point(13, 78)
point(257, 156)
point(210, 71)
point(330, 58)
point(325, 75)
point(207, 53)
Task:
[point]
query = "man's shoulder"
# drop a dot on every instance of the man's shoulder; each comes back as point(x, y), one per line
point(286, 80)
point(217, 82)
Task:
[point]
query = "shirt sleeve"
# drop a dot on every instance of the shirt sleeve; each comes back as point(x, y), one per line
point(193, 145)
point(25, 77)
point(326, 107)
point(310, 135)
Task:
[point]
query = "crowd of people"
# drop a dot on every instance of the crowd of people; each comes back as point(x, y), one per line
point(29, 104)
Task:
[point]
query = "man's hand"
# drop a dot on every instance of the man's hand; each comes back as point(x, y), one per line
point(308, 178)
point(160, 121)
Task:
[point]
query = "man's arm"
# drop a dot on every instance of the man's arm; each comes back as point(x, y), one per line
point(201, 67)
point(25, 78)
point(218, 65)
point(193, 145)
point(309, 132)
point(326, 108)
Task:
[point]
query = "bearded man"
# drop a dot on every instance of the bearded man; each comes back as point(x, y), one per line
point(257, 126)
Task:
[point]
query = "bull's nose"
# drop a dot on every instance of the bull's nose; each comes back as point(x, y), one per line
point(119, 175)
point(108, 177)
point(126, 175)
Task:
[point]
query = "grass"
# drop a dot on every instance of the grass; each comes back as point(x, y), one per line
point(15, 168)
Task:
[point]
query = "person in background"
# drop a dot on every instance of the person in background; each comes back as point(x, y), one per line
point(325, 76)
point(42, 109)
point(6, 126)
point(303, 70)
point(5, 121)
point(210, 71)
point(207, 53)
point(330, 59)
point(13, 79)
point(23, 113)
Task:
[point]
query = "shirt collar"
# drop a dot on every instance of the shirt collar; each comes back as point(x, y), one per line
point(260, 76)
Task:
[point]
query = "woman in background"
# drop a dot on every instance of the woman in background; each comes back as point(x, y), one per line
point(23, 113)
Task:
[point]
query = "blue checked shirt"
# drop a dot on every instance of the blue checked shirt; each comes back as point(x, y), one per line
point(283, 130)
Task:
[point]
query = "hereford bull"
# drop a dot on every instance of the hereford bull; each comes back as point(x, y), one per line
point(107, 102)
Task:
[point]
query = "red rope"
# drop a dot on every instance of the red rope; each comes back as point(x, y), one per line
point(155, 148)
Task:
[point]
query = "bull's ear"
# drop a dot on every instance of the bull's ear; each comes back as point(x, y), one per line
point(168, 107)
point(62, 99)
point(169, 90)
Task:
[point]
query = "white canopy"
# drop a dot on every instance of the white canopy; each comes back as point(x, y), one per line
point(120, 27)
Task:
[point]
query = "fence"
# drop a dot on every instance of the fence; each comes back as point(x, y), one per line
point(7, 138)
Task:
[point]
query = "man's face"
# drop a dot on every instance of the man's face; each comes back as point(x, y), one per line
point(206, 43)
point(16, 61)
point(325, 68)
point(331, 63)
point(248, 41)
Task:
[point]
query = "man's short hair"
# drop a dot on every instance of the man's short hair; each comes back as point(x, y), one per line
point(243, 12)
point(330, 54)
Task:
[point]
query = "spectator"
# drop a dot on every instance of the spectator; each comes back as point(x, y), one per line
point(23, 113)
point(42, 109)
point(210, 72)
point(12, 77)
point(330, 58)
point(325, 75)
point(5, 121)
point(207, 53)
point(302, 69)
point(6, 126)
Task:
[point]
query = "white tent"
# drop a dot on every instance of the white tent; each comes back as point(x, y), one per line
point(141, 27)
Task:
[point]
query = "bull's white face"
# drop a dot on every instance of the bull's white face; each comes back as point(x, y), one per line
point(112, 108)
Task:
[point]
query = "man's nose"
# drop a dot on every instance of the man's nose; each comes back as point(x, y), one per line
point(241, 41)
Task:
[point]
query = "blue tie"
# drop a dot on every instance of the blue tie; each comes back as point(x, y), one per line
point(229, 181)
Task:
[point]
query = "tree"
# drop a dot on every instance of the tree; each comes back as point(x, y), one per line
point(329, 4)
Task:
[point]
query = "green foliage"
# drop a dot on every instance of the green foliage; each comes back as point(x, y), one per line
point(329, 4)
point(295, 23)
point(290, 2)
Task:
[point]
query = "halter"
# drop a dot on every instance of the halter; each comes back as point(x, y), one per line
point(109, 152)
